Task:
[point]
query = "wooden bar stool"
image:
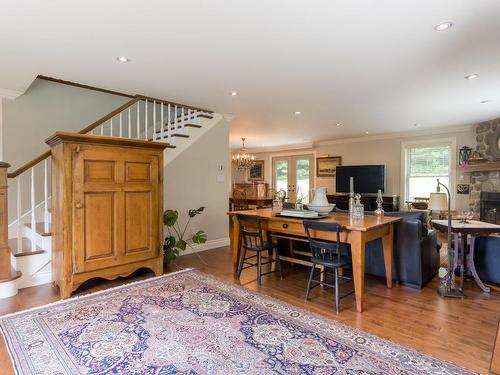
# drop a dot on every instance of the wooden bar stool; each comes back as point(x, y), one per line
point(253, 240)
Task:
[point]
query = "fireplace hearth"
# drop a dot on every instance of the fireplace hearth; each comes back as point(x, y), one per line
point(490, 207)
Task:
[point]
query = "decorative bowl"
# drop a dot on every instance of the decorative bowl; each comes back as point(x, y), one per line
point(321, 209)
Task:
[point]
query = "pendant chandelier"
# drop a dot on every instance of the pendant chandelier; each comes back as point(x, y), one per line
point(243, 161)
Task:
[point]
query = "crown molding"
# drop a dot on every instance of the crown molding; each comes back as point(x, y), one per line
point(9, 94)
point(378, 137)
point(295, 146)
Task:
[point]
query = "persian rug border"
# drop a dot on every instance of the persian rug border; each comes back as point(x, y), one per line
point(374, 346)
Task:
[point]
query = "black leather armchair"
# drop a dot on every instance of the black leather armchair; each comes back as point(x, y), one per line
point(487, 258)
point(416, 251)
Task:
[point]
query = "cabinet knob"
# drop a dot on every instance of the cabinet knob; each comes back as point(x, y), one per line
point(78, 205)
point(285, 226)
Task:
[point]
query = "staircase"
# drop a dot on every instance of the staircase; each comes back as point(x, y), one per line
point(25, 194)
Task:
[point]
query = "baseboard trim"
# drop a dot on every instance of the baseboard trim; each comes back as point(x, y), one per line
point(212, 244)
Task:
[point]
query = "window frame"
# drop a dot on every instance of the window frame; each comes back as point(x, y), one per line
point(448, 142)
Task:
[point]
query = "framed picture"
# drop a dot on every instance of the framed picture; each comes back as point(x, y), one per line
point(463, 188)
point(256, 173)
point(326, 166)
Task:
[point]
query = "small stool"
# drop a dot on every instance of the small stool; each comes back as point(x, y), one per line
point(252, 238)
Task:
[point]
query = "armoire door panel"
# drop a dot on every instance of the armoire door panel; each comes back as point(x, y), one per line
point(137, 172)
point(99, 214)
point(99, 171)
point(137, 221)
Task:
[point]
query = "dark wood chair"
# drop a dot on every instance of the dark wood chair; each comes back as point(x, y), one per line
point(239, 200)
point(328, 255)
point(252, 240)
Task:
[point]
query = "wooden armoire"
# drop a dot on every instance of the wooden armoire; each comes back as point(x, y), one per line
point(107, 204)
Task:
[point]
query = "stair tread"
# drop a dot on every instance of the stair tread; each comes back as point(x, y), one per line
point(180, 135)
point(13, 275)
point(40, 229)
point(206, 116)
point(25, 247)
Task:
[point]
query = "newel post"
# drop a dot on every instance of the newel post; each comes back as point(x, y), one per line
point(5, 255)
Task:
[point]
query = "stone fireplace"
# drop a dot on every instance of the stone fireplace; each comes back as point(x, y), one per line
point(484, 181)
point(490, 207)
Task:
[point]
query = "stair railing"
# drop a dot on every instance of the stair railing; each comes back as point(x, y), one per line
point(139, 118)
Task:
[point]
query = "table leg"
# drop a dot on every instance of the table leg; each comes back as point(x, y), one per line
point(357, 241)
point(388, 243)
point(234, 236)
point(478, 281)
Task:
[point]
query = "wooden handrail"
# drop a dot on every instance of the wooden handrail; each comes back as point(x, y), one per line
point(94, 125)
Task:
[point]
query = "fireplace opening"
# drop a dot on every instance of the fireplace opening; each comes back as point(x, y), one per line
point(490, 207)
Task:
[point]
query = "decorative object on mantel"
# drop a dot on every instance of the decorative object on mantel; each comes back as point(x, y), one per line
point(243, 161)
point(191, 322)
point(440, 202)
point(476, 157)
point(175, 242)
point(326, 166)
point(256, 171)
point(463, 188)
point(464, 155)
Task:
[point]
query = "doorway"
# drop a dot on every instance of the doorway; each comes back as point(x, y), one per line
point(294, 175)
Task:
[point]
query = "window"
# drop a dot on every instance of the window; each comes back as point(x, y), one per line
point(425, 162)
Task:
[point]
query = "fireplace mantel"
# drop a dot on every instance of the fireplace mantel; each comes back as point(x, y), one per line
point(487, 166)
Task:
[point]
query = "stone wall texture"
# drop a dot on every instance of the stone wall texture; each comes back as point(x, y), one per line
point(484, 181)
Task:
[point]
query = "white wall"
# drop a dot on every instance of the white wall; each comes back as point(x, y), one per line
point(375, 150)
point(45, 108)
point(191, 182)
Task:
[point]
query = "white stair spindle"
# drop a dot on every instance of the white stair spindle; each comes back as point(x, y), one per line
point(162, 124)
point(138, 122)
point(46, 196)
point(169, 122)
point(33, 219)
point(121, 129)
point(146, 121)
point(111, 127)
point(154, 119)
point(102, 129)
point(19, 215)
point(182, 119)
point(129, 124)
point(175, 119)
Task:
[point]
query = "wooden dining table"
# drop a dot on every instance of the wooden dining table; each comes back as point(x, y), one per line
point(357, 232)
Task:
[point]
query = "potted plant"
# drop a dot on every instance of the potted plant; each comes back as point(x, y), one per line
point(176, 242)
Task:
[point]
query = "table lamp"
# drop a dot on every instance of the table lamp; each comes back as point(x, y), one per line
point(442, 202)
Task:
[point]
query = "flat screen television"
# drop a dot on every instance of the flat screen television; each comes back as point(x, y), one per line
point(367, 178)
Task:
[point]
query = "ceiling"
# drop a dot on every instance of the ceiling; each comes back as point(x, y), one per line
point(374, 66)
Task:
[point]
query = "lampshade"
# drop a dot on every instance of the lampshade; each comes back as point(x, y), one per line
point(438, 202)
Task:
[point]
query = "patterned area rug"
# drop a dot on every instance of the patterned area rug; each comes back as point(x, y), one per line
point(192, 323)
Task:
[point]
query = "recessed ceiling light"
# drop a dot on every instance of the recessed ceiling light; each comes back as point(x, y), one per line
point(443, 26)
point(367, 132)
point(298, 112)
point(234, 93)
point(472, 76)
point(123, 59)
point(484, 101)
point(338, 124)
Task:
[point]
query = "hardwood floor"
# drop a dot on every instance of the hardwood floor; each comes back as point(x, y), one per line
point(458, 331)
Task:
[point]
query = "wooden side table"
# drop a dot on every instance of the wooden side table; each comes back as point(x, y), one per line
point(472, 229)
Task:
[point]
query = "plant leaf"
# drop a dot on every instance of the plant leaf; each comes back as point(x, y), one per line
point(200, 237)
point(170, 217)
point(181, 244)
point(193, 213)
point(170, 242)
